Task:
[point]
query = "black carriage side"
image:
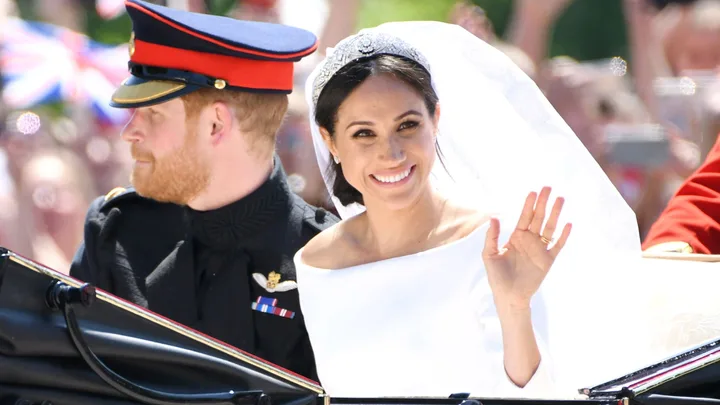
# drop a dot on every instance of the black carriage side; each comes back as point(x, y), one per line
point(64, 343)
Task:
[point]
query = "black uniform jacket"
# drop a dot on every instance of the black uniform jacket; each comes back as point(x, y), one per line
point(228, 272)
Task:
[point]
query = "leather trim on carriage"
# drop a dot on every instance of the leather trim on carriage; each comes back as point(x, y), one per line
point(664, 374)
point(676, 371)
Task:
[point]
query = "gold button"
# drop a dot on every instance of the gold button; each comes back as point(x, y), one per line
point(220, 84)
point(131, 47)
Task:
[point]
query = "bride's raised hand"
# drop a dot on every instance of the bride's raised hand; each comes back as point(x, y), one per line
point(516, 271)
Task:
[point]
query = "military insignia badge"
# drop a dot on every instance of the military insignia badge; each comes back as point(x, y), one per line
point(269, 306)
point(272, 282)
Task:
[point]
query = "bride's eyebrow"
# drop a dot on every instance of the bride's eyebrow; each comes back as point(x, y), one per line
point(370, 123)
point(398, 118)
point(406, 113)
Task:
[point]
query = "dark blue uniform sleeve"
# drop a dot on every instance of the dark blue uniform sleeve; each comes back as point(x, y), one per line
point(86, 265)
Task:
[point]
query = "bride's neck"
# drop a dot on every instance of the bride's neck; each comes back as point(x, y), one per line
point(396, 232)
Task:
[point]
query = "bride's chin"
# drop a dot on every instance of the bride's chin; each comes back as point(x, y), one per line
point(398, 201)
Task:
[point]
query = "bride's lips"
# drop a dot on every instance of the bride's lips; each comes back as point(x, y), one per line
point(394, 179)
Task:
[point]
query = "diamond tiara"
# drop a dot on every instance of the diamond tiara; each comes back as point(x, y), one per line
point(360, 46)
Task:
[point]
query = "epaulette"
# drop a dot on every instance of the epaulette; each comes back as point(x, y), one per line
point(671, 247)
point(319, 218)
point(117, 195)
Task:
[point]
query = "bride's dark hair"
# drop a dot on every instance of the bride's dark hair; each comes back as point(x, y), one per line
point(348, 79)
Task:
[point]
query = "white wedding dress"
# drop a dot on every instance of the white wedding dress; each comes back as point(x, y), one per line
point(424, 324)
point(417, 325)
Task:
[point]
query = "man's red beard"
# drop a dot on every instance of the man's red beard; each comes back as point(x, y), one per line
point(176, 178)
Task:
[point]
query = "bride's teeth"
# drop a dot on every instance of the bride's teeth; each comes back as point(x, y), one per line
point(393, 179)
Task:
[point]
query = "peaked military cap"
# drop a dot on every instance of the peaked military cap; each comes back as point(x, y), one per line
point(175, 52)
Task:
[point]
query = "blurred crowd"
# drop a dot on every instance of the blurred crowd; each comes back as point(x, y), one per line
point(649, 119)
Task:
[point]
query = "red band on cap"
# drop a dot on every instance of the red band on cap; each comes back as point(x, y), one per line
point(239, 72)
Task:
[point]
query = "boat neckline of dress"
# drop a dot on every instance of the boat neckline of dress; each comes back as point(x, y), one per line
point(432, 250)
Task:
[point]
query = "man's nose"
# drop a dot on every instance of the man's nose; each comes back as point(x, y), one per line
point(132, 132)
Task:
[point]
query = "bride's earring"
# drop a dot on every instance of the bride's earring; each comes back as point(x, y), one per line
point(336, 159)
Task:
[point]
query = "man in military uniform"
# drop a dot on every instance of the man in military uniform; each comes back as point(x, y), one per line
point(691, 221)
point(208, 233)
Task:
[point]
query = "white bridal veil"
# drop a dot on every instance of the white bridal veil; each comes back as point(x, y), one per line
point(500, 139)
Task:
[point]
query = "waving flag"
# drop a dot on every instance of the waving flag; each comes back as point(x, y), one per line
point(43, 63)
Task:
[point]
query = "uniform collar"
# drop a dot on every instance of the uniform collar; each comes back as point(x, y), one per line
point(244, 223)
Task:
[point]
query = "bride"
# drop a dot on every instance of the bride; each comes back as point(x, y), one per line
point(433, 146)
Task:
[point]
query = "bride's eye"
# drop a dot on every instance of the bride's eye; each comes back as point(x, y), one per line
point(363, 133)
point(408, 125)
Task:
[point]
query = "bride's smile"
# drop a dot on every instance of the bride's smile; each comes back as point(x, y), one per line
point(394, 177)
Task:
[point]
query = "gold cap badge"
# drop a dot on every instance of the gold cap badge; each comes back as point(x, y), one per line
point(131, 45)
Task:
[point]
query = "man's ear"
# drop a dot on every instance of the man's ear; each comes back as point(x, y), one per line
point(221, 121)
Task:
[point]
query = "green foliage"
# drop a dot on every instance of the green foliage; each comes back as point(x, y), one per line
point(112, 32)
point(589, 29)
point(220, 7)
point(375, 12)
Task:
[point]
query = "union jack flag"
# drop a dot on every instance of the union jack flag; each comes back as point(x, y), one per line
point(43, 63)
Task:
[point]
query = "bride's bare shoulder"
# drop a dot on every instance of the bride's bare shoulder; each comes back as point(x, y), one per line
point(328, 248)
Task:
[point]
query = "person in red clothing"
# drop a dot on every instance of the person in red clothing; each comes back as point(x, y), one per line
point(691, 221)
